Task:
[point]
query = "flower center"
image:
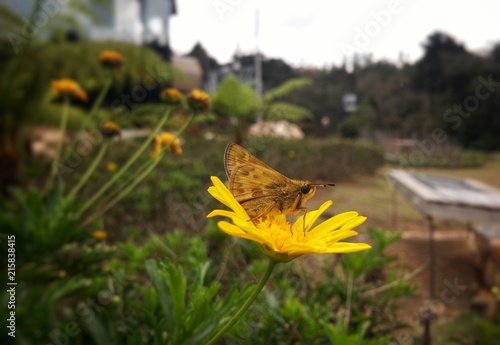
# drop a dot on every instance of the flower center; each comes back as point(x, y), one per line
point(281, 231)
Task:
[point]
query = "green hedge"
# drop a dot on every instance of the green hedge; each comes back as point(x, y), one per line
point(322, 160)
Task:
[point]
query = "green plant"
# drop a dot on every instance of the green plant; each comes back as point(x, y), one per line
point(340, 334)
point(48, 221)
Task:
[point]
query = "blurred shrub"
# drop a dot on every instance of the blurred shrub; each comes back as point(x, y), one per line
point(349, 128)
point(343, 304)
point(166, 290)
point(48, 221)
point(79, 61)
point(176, 189)
point(469, 328)
point(326, 160)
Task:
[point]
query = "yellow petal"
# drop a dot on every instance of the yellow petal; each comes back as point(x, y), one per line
point(333, 223)
point(347, 247)
point(311, 217)
point(226, 197)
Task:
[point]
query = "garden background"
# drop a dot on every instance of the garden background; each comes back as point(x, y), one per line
point(112, 241)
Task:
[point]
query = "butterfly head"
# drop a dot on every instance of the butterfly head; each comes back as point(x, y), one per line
point(308, 189)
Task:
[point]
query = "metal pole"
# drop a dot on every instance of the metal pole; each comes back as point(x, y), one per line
point(258, 65)
point(427, 313)
point(394, 209)
point(432, 258)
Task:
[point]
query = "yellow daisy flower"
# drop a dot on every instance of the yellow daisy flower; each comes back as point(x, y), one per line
point(171, 96)
point(199, 101)
point(110, 59)
point(163, 140)
point(110, 129)
point(68, 87)
point(111, 166)
point(283, 241)
point(100, 235)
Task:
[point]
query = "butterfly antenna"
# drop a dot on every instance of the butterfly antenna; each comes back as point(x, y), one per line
point(324, 184)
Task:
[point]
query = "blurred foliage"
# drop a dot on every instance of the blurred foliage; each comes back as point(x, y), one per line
point(317, 160)
point(274, 108)
point(174, 194)
point(166, 290)
point(285, 88)
point(45, 222)
point(234, 99)
point(286, 111)
point(335, 306)
point(79, 61)
point(469, 329)
point(411, 100)
point(237, 101)
point(27, 99)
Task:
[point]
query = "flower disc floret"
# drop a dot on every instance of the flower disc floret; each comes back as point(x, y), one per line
point(99, 235)
point(68, 87)
point(111, 59)
point(110, 129)
point(199, 101)
point(171, 96)
point(169, 141)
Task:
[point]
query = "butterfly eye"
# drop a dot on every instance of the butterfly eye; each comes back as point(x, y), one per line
point(305, 189)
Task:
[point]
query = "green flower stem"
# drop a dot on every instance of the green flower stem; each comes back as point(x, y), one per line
point(116, 191)
point(247, 304)
point(131, 160)
point(90, 169)
point(98, 101)
point(138, 177)
point(124, 192)
point(62, 131)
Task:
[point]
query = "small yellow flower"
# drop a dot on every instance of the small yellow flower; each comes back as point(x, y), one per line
point(111, 59)
point(100, 235)
point(68, 87)
point(110, 129)
point(167, 139)
point(199, 101)
point(171, 96)
point(283, 241)
point(111, 166)
point(61, 274)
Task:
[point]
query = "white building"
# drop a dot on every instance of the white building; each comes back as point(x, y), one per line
point(138, 21)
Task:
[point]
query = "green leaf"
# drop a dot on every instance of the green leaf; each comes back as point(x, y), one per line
point(286, 111)
point(164, 297)
point(233, 98)
point(286, 88)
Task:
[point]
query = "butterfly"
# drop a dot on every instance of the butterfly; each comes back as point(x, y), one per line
point(262, 190)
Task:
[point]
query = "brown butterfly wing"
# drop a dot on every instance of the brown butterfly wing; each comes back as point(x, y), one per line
point(260, 189)
point(236, 155)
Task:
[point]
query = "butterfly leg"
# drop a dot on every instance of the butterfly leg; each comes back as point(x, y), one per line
point(304, 220)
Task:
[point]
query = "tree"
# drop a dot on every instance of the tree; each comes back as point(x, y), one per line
point(273, 109)
point(237, 101)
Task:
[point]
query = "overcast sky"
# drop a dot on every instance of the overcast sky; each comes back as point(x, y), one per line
point(321, 32)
